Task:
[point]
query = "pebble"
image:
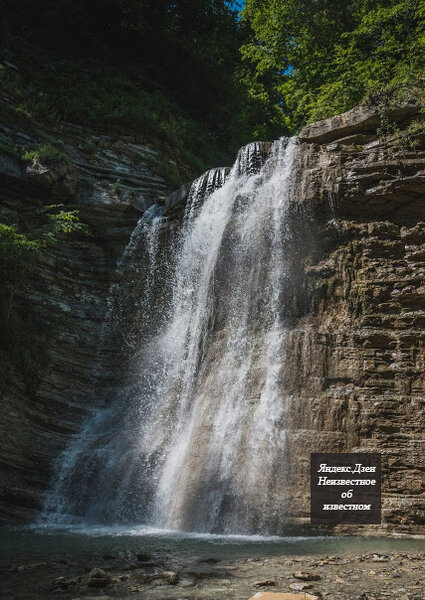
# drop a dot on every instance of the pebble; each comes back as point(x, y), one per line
point(299, 587)
point(187, 582)
point(306, 576)
point(143, 557)
point(98, 578)
point(139, 577)
point(171, 577)
point(282, 596)
point(264, 582)
point(160, 581)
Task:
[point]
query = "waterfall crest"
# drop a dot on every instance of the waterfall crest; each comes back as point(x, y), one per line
point(196, 440)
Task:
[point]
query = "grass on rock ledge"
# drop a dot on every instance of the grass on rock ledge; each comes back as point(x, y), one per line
point(111, 101)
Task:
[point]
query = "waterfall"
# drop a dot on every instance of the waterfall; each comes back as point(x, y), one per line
point(204, 186)
point(195, 439)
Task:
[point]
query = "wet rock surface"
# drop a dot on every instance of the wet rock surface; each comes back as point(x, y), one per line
point(345, 577)
point(355, 377)
point(110, 181)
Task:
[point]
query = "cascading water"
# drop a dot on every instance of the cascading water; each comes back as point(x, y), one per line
point(196, 439)
point(203, 187)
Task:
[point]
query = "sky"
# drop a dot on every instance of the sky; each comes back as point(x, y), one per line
point(239, 4)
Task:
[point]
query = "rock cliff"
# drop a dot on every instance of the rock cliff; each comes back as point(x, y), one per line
point(111, 181)
point(355, 353)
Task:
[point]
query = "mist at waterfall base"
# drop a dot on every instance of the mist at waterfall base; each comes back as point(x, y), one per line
point(39, 543)
point(194, 440)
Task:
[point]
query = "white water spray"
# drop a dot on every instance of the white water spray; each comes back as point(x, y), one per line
point(197, 441)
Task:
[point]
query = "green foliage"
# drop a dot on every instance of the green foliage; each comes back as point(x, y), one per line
point(116, 186)
point(168, 70)
point(108, 99)
point(18, 257)
point(21, 251)
point(22, 247)
point(323, 57)
point(412, 137)
point(171, 70)
point(45, 152)
point(403, 137)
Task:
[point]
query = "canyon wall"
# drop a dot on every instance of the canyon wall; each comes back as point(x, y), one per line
point(356, 381)
point(355, 353)
point(111, 181)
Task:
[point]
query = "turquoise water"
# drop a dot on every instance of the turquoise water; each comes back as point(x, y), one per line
point(33, 544)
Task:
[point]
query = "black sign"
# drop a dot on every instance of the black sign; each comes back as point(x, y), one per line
point(345, 488)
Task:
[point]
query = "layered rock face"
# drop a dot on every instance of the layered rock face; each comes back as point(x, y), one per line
point(110, 181)
point(356, 352)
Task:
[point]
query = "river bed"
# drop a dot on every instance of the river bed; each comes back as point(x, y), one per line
point(138, 563)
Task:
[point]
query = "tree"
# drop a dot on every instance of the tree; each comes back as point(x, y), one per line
point(326, 55)
point(186, 51)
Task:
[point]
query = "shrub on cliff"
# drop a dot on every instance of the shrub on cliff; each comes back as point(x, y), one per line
point(23, 244)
